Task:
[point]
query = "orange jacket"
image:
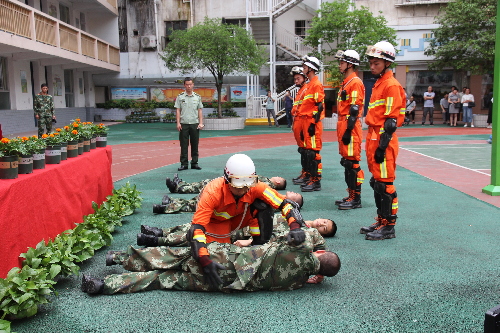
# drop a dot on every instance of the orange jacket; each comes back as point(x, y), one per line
point(388, 100)
point(298, 99)
point(219, 213)
point(315, 94)
point(355, 95)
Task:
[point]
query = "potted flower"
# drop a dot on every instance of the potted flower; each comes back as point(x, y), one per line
point(86, 132)
point(36, 147)
point(102, 135)
point(70, 136)
point(10, 150)
point(53, 149)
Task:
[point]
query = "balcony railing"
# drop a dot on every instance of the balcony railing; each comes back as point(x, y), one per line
point(266, 7)
point(30, 23)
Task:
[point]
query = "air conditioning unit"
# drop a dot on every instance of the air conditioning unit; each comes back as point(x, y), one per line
point(148, 42)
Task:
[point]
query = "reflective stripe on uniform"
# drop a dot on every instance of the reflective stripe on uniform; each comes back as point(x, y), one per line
point(388, 105)
point(254, 231)
point(223, 214)
point(268, 193)
point(354, 95)
point(383, 169)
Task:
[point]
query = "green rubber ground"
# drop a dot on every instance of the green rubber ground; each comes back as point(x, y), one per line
point(440, 274)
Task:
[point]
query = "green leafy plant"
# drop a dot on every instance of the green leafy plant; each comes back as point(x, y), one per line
point(33, 144)
point(9, 147)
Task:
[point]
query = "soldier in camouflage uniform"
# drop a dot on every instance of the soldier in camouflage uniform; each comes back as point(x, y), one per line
point(176, 185)
point(43, 105)
point(176, 236)
point(272, 266)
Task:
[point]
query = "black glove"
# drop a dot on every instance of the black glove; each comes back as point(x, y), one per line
point(211, 274)
point(54, 120)
point(346, 138)
point(296, 236)
point(379, 155)
point(311, 130)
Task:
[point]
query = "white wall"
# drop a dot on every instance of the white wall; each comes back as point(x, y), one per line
point(103, 26)
point(22, 100)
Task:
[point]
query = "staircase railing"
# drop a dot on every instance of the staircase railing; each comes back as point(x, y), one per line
point(266, 7)
point(256, 105)
point(291, 42)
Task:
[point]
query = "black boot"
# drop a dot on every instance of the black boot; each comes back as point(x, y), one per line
point(172, 184)
point(92, 285)
point(301, 179)
point(370, 228)
point(312, 185)
point(353, 202)
point(166, 200)
point(386, 231)
point(147, 240)
point(338, 202)
point(153, 231)
point(159, 209)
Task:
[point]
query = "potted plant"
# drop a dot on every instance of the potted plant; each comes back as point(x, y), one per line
point(10, 150)
point(36, 147)
point(53, 149)
point(102, 135)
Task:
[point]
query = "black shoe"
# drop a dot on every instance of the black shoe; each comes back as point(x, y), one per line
point(147, 240)
point(350, 204)
point(166, 200)
point(371, 228)
point(153, 231)
point(195, 166)
point(109, 258)
point(92, 285)
point(173, 183)
point(159, 209)
point(338, 202)
point(384, 232)
point(182, 168)
point(311, 186)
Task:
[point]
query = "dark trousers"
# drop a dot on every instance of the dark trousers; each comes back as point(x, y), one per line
point(430, 111)
point(189, 134)
point(289, 117)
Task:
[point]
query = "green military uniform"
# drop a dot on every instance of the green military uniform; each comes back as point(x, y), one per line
point(43, 105)
point(178, 205)
point(197, 187)
point(176, 236)
point(272, 266)
point(189, 134)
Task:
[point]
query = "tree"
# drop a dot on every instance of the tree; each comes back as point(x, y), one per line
point(465, 39)
point(220, 48)
point(342, 26)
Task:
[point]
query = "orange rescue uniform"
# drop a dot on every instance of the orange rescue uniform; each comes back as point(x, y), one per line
point(295, 110)
point(220, 214)
point(355, 95)
point(313, 95)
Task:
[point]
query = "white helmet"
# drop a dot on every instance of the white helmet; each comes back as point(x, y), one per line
point(383, 50)
point(240, 171)
point(349, 56)
point(311, 62)
point(297, 70)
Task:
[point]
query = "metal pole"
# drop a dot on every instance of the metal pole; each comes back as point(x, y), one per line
point(494, 187)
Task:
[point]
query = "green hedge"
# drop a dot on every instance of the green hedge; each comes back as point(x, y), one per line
point(24, 289)
point(132, 104)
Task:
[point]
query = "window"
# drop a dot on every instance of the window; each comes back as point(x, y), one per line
point(300, 28)
point(69, 88)
point(241, 22)
point(4, 89)
point(83, 25)
point(405, 42)
point(64, 13)
point(171, 26)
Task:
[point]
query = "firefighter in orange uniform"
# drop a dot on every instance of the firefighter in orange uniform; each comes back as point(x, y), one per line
point(224, 208)
point(310, 113)
point(350, 103)
point(299, 78)
point(385, 113)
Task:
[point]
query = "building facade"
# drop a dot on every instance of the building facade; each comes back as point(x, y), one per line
point(59, 42)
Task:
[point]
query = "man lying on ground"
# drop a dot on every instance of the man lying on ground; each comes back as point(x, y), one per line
point(278, 265)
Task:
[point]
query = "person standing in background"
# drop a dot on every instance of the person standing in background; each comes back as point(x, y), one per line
point(43, 105)
point(466, 100)
point(445, 106)
point(429, 105)
point(189, 122)
point(288, 108)
point(270, 109)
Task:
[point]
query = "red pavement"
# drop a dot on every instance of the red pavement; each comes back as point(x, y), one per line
point(131, 159)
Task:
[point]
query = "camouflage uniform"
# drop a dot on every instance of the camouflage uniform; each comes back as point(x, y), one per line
point(272, 266)
point(186, 188)
point(43, 105)
point(176, 236)
point(178, 205)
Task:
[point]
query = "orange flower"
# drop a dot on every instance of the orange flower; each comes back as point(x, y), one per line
point(51, 135)
point(77, 119)
point(75, 125)
point(5, 140)
point(24, 138)
point(66, 128)
point(74, 132)
point(44, 136)
point(58, 130)
point(34, 136)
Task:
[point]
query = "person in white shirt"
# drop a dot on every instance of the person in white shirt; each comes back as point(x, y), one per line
point(428, 105)
point(410, 109)
point(467, 98)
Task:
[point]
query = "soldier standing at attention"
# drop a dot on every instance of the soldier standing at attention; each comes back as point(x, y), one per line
point(189, 122)
point(350, 103)
point(43, 105)
point(386, 112)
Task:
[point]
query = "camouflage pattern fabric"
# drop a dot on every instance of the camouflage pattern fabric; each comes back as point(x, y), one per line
point(179, 205)
point(272, 266)
point(197, 187)
point(43, 106)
